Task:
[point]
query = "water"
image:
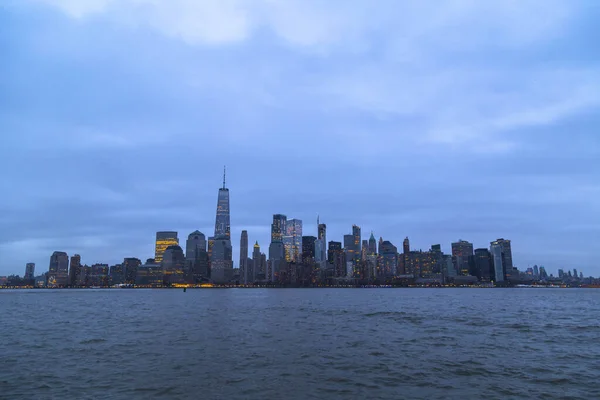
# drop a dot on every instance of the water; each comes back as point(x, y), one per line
point(300, 344)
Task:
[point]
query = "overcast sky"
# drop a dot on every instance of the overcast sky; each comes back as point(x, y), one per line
point(437, 120)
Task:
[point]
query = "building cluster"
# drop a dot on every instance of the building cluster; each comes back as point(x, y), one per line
point(294, 259)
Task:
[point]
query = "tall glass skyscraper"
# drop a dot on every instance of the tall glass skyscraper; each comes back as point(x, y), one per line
point(292, 241)
point(278, 230)
point(222, 222)
point(221, 257)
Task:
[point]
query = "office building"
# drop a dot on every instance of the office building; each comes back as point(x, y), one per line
point(461, 253)
point(195, 244)
point(29, 271)
point(58, 271)
point(497, 262)
point(173, 265)
point(292, 241)
point(222, 222)
point(130, 269)
point(483, 265)
point(278, 228)
point(74, 270)
point(244, 257)
point(164, 239)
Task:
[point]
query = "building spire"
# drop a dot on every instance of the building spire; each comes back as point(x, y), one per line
point(224, 174)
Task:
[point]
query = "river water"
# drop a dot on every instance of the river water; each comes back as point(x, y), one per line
point(300, 344)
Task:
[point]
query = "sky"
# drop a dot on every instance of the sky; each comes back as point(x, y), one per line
point(437, 120)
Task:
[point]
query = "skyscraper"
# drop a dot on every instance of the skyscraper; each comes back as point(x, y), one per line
point(173, 265)
point(221, 253)
point(257, 262)
point(292, 241)
point(497, 262)
point(357, 242)
point(74, 270)
point(308, 249)
point(335, 257)
point(389, 259)
point(278, 228)
point(406, 246)
point(58, 271)
point(322, 237)
point(222, 222)
point(163, 240)
point(483, 265)
point(29, 271)
point(506, 257)
point(244, 256)
point(131, 266)
point(461, 251)
point(372, 245)
point(195, 244)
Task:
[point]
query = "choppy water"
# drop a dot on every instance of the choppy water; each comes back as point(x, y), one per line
point(299, 344)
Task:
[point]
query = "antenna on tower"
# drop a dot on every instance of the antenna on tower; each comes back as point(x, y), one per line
point(224, 173)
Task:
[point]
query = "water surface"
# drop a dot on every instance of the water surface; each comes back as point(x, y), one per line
point(300, 344)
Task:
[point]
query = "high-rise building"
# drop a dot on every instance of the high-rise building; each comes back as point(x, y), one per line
point(29, 271)
point(221, 262)
point(221, 252)
point(195, 244)
point(115, 274)
point(308, 249)
point(58, 271)
point(389, 259)
point(276, 259)
point(406, 246)
point(164, 239)
point(322, 237)
point(461, 252)
point(130, 269)
point(357, 242)
point(497, 262)
point(74, 270)
point(173, 265)
point(292, 241)
point(98, 275)
point(483, 265)
point(222, 222)
point(536, 272)
point(364, 252)
point(278, 228)
point(335, 257)
point(257, 262)
point(506, 257)
point(244, 256)
point(372, 245)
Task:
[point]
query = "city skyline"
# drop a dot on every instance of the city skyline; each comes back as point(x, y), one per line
point(353, 248)
point(463, 120)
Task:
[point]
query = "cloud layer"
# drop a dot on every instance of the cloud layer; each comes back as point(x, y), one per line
point(434, 120)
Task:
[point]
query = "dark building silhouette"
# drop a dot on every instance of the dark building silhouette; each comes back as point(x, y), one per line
point(244, 257)
point(308, 249)
point(461, 251)
point(130, 269)
point(173, 265)
point(74, 270)
point(483, 265)
point(29, 271)
point(58, 271)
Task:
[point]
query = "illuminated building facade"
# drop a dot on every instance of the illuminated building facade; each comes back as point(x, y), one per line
point(278, 228)
point(372, 245)
point(308, 249)
point(222, 222)
point(292, 241)
point(58, 271)
point(99, 275)
point(221, 262)
point(322, 237)
point(164, 239)
point(389, 259)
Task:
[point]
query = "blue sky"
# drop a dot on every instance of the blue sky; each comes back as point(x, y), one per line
point(437, 120)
